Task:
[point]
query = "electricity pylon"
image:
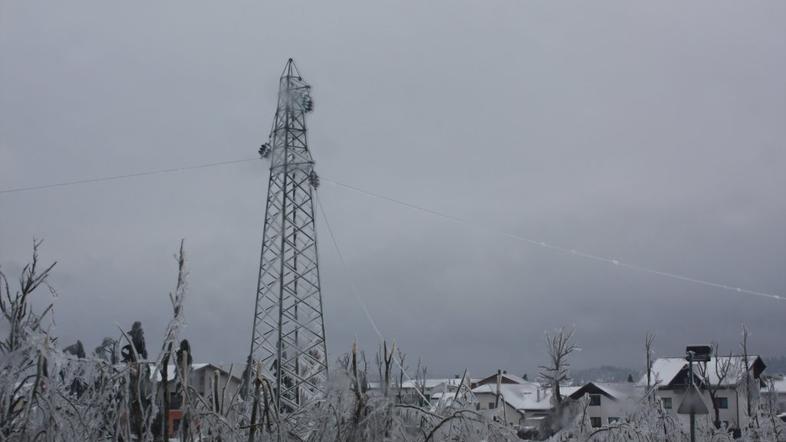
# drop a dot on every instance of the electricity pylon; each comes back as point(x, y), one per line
point(288, 336)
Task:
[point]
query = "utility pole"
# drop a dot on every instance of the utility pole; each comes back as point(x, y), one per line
point(288, 334)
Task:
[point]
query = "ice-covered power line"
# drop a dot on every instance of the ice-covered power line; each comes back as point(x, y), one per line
point(570, 251)
point(354, 290)
point(566, 250)
point(128, 175)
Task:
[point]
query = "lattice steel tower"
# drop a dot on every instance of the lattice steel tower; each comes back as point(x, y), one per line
point(288, 338)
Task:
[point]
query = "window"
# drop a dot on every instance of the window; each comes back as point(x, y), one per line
point(613, 420)
point(666, 403)
point(594, 400)
point(722, 402)
point(595, 422)
point(491, 405)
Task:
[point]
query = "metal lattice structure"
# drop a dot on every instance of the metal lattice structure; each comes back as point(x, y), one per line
point(288, 337)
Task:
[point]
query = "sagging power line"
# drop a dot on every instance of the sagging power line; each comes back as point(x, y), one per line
point(565, 250)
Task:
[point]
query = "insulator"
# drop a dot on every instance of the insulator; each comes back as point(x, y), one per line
point(314, 179)
point(264, 150)
point(308, 104)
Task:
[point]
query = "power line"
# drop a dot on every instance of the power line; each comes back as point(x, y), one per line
point(354, 290)
point(449, 217)
point(565, 250)
point(129, 175)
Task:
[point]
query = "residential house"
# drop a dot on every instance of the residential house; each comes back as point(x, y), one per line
point(517, 404)
point(201, 379)
point(608, 402)
point(415, 390)
point(774, 392)
point(670, 378)
point(504, 378)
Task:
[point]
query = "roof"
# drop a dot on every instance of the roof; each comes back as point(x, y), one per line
point(432, 383)
point(614, 390)
point(778, 385)
point(505, 378)
point(171, 373)
point(567, 390)
point(519, 396)
point(665, 371)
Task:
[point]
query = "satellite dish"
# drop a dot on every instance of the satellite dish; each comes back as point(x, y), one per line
point(692, 403)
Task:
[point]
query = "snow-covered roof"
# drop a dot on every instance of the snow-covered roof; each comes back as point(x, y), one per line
point(567, 390)
point(615, 390)
point(620, 390)
point(520, 396)
point(171, 372)
point(664, 370)
point(510, 378)
point(433, 383)
point(778, 384)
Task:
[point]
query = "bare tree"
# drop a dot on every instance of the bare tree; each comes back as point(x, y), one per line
point(16, 308)
point(384, 361)
point(649, 354)
point(746, 367)
point(17, 402)
point(559, 346)
point(722, 367)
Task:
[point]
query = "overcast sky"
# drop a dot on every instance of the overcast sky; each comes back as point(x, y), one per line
point(650, 132)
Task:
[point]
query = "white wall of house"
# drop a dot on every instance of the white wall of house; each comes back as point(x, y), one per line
point(604, 410)
point(734, 415)
point(505, 411)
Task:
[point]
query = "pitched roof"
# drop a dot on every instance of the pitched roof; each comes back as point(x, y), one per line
point(432, 383)
point(666, 371)
point(522, 397)
point(171, 373)
point(505, 378)
point(614, 390)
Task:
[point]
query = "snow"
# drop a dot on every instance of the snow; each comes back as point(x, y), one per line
point(504, 376)
point(520, 396)
point(432, 383)
point(664, 370)
point(171, 373)
point(620, 390)
point(779, 385)
point(569, 390)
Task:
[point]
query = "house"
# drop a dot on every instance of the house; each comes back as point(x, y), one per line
point(412, 389)
point(670, 378)
point(201, 378)
point(517, 404)
point(774, 392)
point(520, 403)
point(608, 401)
point(504, 378)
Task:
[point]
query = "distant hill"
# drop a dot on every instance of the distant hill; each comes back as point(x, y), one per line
point(605, 373)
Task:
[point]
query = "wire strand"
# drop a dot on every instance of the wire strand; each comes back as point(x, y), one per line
point(565, 250)
point(574, 252)
point(129, 175)
point(355, 291)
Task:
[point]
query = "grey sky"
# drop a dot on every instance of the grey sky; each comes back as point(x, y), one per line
point(651, 132)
